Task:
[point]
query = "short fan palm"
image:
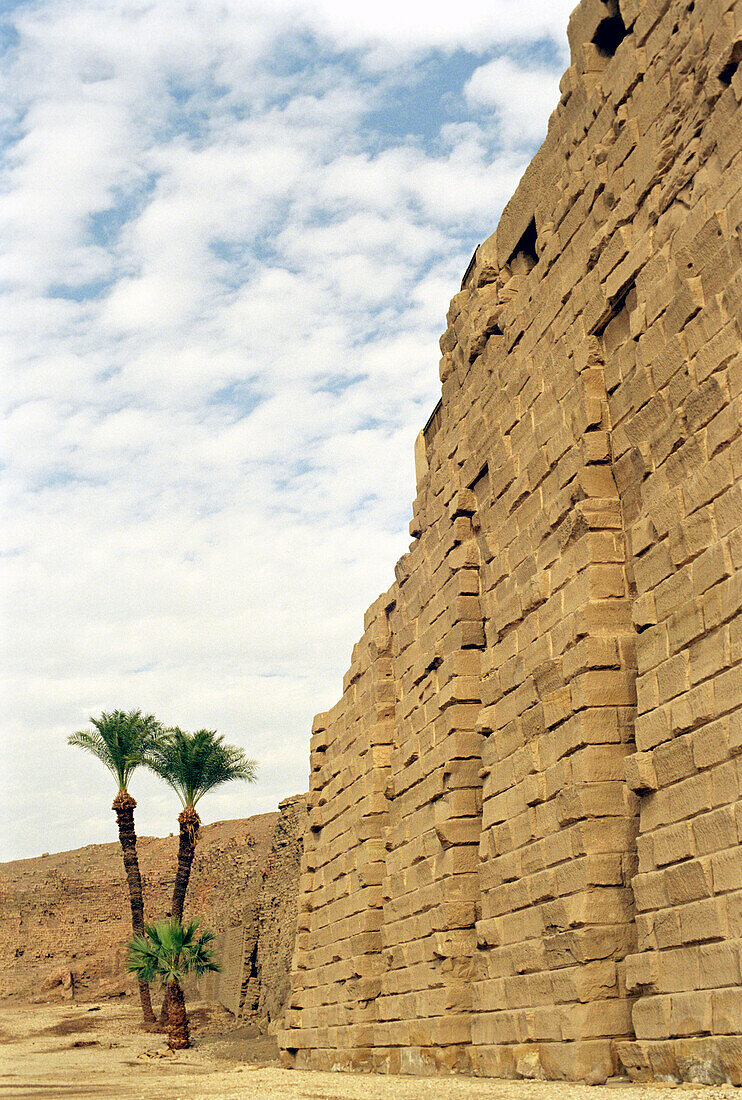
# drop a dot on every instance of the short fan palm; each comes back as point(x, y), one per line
point(167, 952)
point(121, 741)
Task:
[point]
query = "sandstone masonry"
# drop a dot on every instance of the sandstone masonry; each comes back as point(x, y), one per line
point(255, 951)
point(523, 855)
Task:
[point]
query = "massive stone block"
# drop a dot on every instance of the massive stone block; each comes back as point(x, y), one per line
point(523, 851)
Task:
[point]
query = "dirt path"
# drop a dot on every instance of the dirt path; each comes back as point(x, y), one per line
point(93, 1051)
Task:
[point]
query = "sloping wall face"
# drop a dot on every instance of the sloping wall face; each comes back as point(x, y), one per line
point(255, 948)
point(523, 856)
point(279, 896)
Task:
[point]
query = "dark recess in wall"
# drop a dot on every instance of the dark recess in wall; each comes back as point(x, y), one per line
point(525, 249)
point(611, 31)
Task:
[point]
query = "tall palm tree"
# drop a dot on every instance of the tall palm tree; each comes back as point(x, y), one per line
point(168, 951)
point(121, 740)
point(193, 764)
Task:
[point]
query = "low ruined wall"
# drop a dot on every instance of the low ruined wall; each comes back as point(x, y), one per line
point(256, 954)
point(523, 851)
point(278, 909)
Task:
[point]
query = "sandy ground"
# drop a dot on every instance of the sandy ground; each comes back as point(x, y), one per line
point(86, 1050)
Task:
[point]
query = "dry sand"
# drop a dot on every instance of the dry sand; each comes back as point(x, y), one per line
point(84, 1050)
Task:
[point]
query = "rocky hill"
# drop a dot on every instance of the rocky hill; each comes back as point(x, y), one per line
point(64, 918)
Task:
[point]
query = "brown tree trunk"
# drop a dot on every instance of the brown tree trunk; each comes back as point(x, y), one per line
point(165, 1010)
point(190, 823)
point(124, 804)
point(179, 1036)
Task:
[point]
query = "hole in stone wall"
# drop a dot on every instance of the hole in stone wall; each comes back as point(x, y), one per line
point(727, 73)
point(476, 482)
point(623, 298)
point(480, 486)
point(431, 668)
point(524, 256)
point(609, 35)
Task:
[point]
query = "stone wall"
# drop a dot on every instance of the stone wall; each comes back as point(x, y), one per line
point(256, 954)
point(278, 910)
point(523, 851)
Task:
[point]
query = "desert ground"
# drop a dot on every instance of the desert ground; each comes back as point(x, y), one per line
point(98, 1050)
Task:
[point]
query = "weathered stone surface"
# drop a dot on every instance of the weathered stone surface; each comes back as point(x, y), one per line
point(268, 959)
point(523, 848)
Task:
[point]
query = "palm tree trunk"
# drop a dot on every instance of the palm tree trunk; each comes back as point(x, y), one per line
point(124, 804)
point(179, 1036)
point(190, 823)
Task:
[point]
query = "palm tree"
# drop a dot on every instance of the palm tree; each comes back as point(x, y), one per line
point(121, 740)
point(193, 764)
point(168, 951)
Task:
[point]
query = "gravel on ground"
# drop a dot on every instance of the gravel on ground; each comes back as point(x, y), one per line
point(99, 1050)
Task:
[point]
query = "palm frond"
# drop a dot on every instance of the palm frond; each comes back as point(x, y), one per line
point(189, 930)
point(92, 742)
point(203, 959)
point(142, 959)
point(169, 938)
point(121, 740)
point(194, 763)
point(169, 950)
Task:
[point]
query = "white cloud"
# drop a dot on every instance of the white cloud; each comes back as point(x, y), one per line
point(227, 261)
point(522, 97)
point(439, 24)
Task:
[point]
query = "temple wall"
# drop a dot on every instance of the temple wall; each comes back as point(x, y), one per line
point(523, 855)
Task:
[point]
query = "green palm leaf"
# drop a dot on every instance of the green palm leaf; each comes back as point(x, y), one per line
point(121, 740)
point(194, 763)
point(168, 951)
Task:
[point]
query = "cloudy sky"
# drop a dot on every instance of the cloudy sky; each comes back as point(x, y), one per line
point(230, 230)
